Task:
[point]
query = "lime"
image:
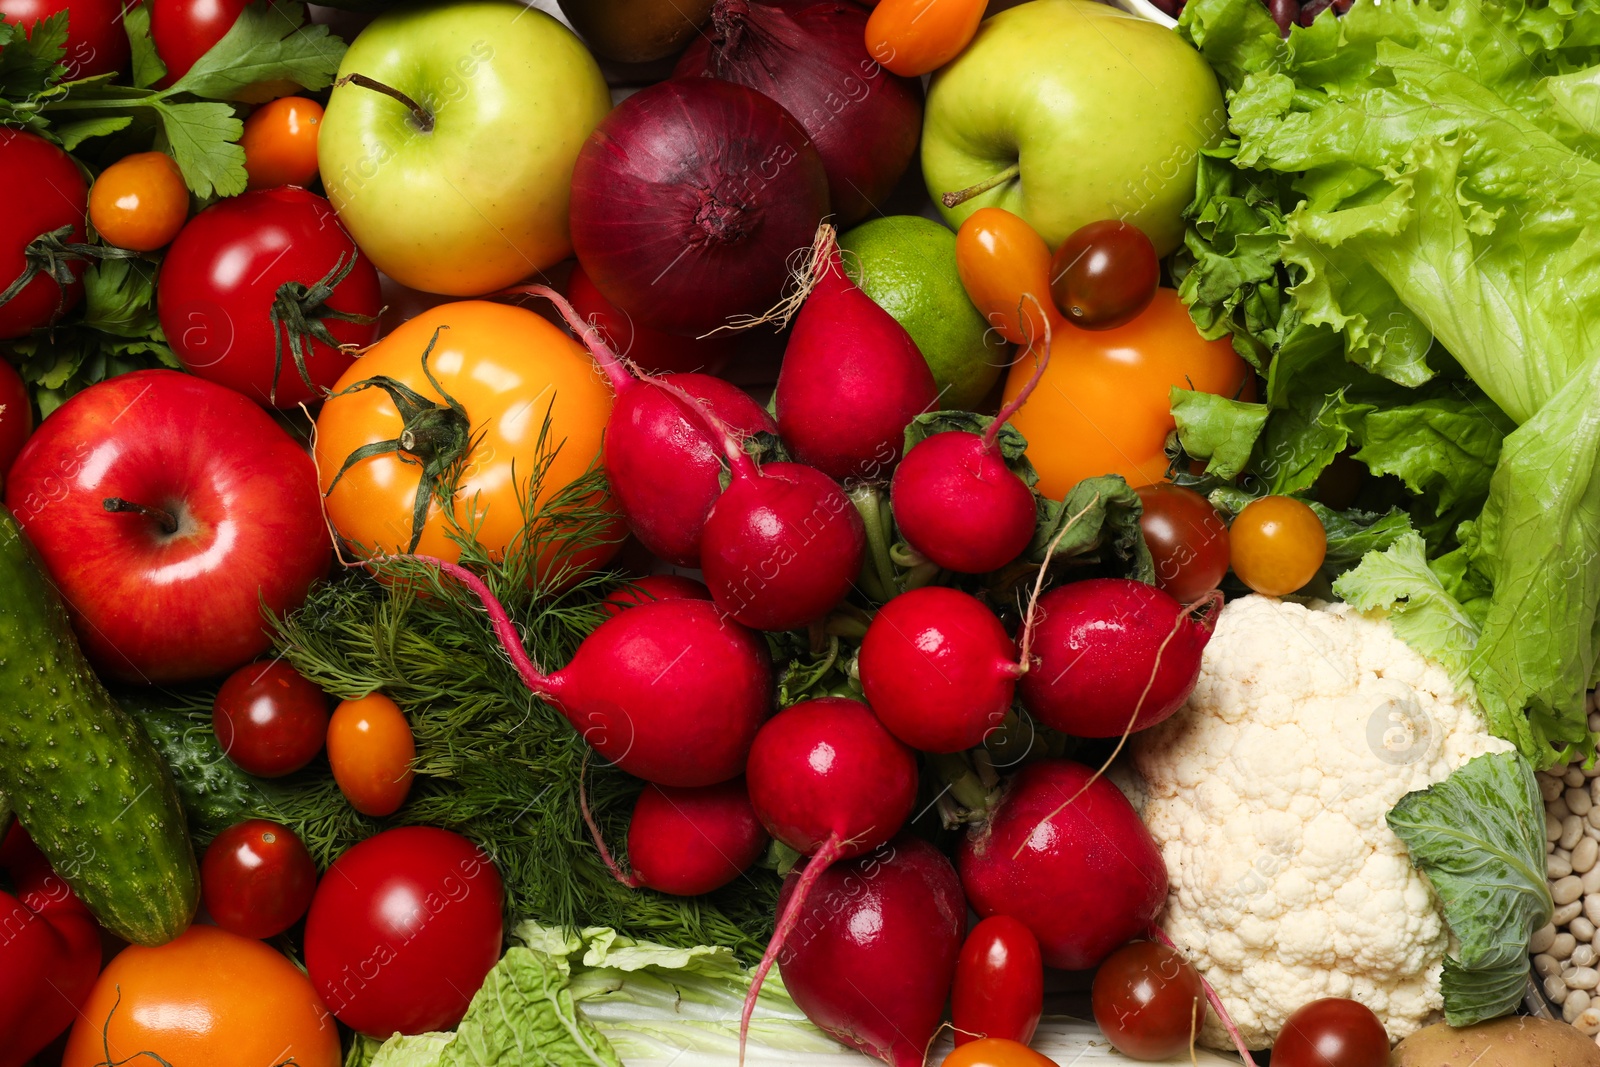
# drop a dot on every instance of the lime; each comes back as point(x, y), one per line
point(907, 264)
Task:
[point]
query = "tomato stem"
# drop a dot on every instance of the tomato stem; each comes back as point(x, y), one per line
point(419, 114)
point(167, 521)
point(961, 196)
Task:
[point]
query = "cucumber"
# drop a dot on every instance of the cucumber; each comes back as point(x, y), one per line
point(80, 773)
point(214, 792)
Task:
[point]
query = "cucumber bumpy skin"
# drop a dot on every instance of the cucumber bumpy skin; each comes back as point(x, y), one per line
point(82, 776)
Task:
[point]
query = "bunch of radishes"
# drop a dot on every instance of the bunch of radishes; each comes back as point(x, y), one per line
point(678, 690)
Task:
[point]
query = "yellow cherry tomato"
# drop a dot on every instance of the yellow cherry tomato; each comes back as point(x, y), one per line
point(280, 142)
point(1276, 545)
point(996, 1052)
point(1005, 268)
point(139, 202)
point(370, 748)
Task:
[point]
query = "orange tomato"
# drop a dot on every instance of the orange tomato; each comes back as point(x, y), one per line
point(1104, 403)
point(1276, 545)
point(996, 1052)
point(280, 142)
point(1005, 268)
point(208, 998)
point(139, 202)
point(915, 37)
point(370, 748)
point(510, 371)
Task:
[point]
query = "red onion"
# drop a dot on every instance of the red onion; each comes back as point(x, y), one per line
point(650, 350)
point(688, 200)
point(811, 57)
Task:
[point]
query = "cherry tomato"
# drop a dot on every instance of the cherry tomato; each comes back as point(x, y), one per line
point(96, 41)
point(916, 37)
point(1104, 274)
point(185, 30)
point(654, 587)
point(1332, 1032)
point(280, 142)
point(139, 202)
point(403, 929)
point(1005, 268)
point(1188, 540)
point(370, 748)
point(257, 878)
point(997, 1052)
point(1104, 404)
point(1148, 1001)
point(269, 720)
point(1276, 545)
point(237, 261)
point(42, 191)
point(999, 987)
point(16, 416)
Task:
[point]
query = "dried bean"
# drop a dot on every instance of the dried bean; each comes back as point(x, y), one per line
point(1555, 988)
point(1588, 1021)
point(1573, 776)
point(1578, 801)
point(1567, 912)
point(1552, 827)
point(1562, 946)
point(1555, 866)
point(1541, 939)
point(1582, 978)
point(1544, 965)
point(1585, 854)
point(1566, 890)
point(1591, 886)
point(1550, 788)
point(1571, 831)
point(1584, 955)
point(1576, 1003)
point(1581, 928)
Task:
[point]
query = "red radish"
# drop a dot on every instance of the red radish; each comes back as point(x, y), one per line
point(808, 55)
point(938, 668)
point(670, 692)
point(689, 198)
point(874, 967)
point(654, 587)
point(1065, 854)
point(650, 350)
point(689, 841)
point(955, 500)
point(1112, 655)
point(852, 377)
point(783, 544)
point(663, 467)
point(830, 782)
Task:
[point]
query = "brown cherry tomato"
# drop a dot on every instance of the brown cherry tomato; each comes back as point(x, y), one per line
point(370, 748)
point(258, 879)
point(139, 202)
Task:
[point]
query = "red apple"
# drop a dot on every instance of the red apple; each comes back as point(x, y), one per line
point(168, 510)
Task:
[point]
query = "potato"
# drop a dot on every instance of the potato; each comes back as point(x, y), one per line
point(1515, 1041)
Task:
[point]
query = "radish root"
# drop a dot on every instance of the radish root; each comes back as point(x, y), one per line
point(1041, 361)
point(1026, 645)
point(504, 628)
point(629, 880)
point(820, 861)
point(615, 368)
point(1160, 935)
point(810, 265)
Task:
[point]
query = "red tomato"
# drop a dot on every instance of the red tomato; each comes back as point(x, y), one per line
point(43, 191)
point(370, 748)
point(257, 878)
point(231, 263)
point(1332, 1032)
point(999, 988)
point(16, 416)
point(1188, 540)
point(403, 929)
point(185, 30)
point(269, 720)
point(96, 41)
point(1148, 1001)
point(996, 1052)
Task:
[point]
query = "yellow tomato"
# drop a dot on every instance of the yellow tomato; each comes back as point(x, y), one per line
point(1104, 404)
point(509, 371)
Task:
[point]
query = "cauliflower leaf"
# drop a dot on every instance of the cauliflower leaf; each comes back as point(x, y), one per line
point(1479, 837)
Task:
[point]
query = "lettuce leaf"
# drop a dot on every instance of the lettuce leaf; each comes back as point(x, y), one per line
point(1427, 175)
point(1479, 837)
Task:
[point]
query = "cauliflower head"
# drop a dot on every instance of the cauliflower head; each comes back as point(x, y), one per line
point(1267, 794)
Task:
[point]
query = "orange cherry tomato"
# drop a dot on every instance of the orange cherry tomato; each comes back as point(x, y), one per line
point(370, 748)
point(1276, 545)
point(997, 1052)
point(1005, 267)
point(280, 142)
point(210, 997)
point(916, 37)
point(139, 202)
point(1104, 403)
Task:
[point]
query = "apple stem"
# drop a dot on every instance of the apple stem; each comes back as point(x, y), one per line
point(169, 523)
point(419, 114)
point(961, 196)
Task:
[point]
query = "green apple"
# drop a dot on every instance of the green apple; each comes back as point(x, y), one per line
point(449, 139)
point(1076, 112)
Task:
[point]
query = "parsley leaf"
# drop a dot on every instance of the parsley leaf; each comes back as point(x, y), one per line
point(269, 42)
